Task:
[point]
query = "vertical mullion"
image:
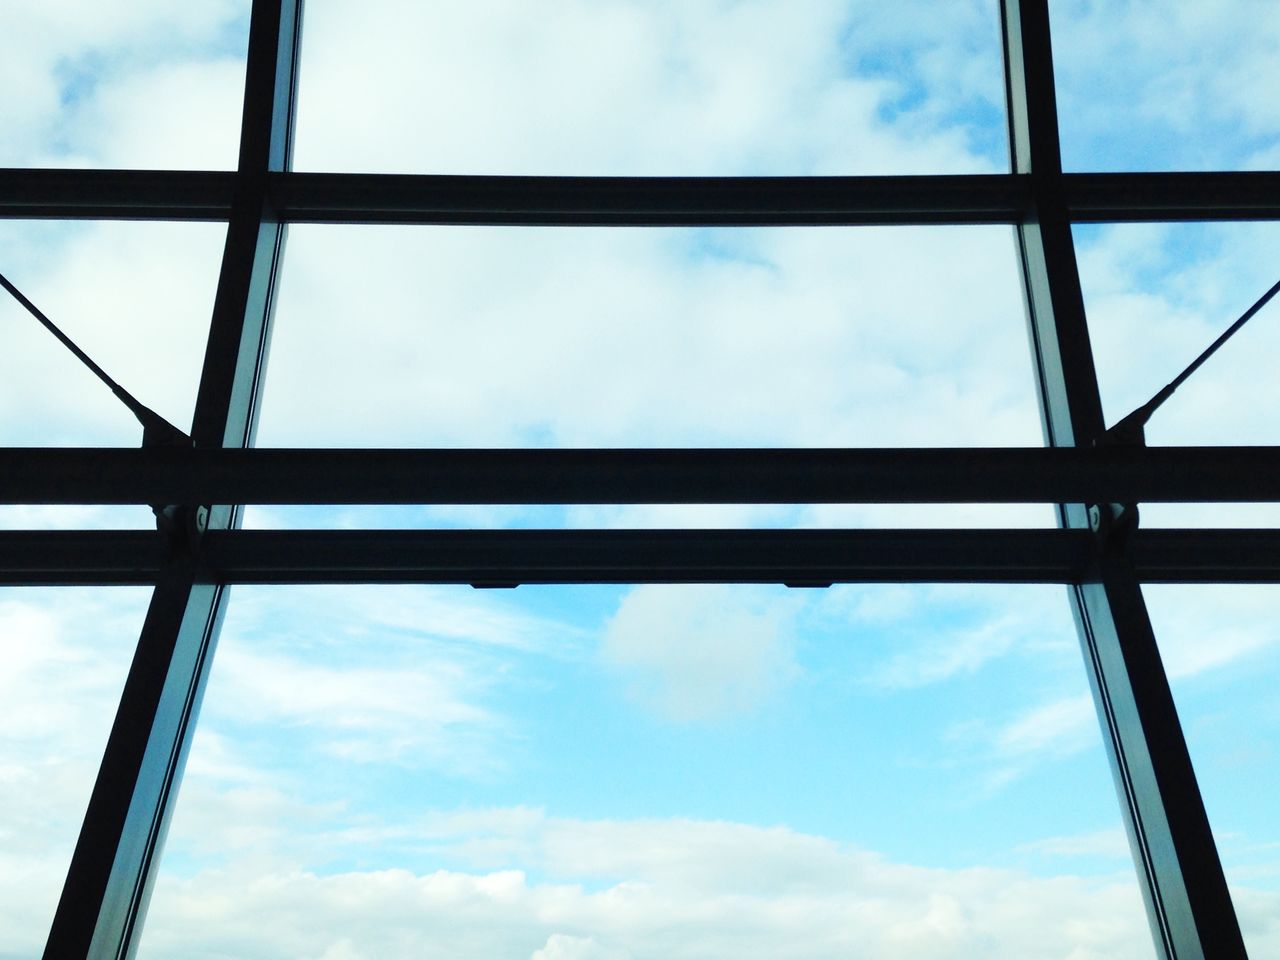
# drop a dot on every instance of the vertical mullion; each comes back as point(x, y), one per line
point(1181, 877)
point(108, 884)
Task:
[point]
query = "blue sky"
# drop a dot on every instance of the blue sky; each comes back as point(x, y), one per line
point(616, 773)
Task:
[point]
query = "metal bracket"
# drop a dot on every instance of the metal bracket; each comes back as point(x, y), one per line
point(1113, 523)
point(183, 528)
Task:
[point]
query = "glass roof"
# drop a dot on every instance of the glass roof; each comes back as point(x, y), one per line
point(615, 772)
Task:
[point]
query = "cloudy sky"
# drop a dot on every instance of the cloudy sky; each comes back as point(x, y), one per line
point(600, 773)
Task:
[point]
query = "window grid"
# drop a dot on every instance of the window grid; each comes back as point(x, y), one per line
point(199, 548)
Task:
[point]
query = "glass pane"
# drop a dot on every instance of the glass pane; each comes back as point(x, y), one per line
point(1177, 85)
point(543, 337)
point(64, 654)
point(636, 87)
point(1157, 295)
point(127, 84)
point(602, 772)
point(639, 516)
point(1221, 648)
point(137, 298)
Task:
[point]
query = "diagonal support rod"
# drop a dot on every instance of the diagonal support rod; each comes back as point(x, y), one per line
point(1131, 429)
point(156, 430)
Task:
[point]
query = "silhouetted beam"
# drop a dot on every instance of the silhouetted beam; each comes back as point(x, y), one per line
point(116, 194)
point(66, 557)
point(672, 201)
point(979, 475)
point(800, 557)
point(1100, 197)
point(1206, 556)
point(649, 201)
point(507, 557)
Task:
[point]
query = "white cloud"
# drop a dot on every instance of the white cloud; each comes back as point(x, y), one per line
point(80, 77)
point(135, 296)
point(945, 657)
point(700, 652)
point(510, 337)
point(723, 516)
point(1200, 630)
point(1104, 843)
point(1011, 748)
point(637, 88)
point(562, 947)
point(405, 620)
point(188, 113)
point(63, 658)
point(751, 79)
point(1063, 725)
point(74, 517)
point(671, 888)
point(1210, 626)
point(935, 516)
point(492, 337)
point(1188, 75)
point(1157, 297)
point(365, 714)
point(406, 675)
point(942, 631)
point(715, 516)
point(344, 950)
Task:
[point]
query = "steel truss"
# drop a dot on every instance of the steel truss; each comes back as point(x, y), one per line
point(200, 548)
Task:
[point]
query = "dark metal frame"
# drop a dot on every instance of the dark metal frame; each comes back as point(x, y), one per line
point(199, 549)
point(1188, 906)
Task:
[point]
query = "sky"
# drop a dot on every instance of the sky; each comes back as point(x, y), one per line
point(618, 773)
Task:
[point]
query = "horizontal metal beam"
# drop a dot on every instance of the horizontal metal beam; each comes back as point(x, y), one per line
point(649, 201)
point(1206, 556)
point(797, 557)
point(116, 194)
point(315, 476)
point(1139, 197)
point(663, 201)
point(114, 557)
point(509, 557)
